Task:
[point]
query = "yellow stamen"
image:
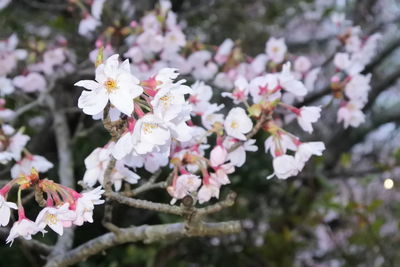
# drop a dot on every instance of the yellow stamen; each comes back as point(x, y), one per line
point(111, 85)
point(51, 218)
point(234, 125)
point(148, 128)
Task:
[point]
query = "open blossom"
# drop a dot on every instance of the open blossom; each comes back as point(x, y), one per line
point(307, 116)
point(285, 166)
point(218, 155)
point(210, 116)
point(220, 176)
point(276, 49)
point(263, 88)
point(174, 40)
point(200, 96)
point(5, 210)
point(184, 184)
point(24, 228)
point(33, 82)
point(237, 157)
point(13, 148)
point(114, 83)
point(279, 143)
point(288, 82)
point(87, 25)
point(149, 135)
point(169, 102)
point(342, 61)
point(351, 114)
point(56, 218)
point(150, 41)
point(223, 81)
point(207, 191)
point(240, 92)
point(25, 165)
point(306, 150)
point(85, 205)
point(237, 123)
point(96, 164)
point(9, 55)
point(357, 88)
point(302, 64)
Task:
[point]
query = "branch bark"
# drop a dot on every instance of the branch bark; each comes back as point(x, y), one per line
point(143, 233)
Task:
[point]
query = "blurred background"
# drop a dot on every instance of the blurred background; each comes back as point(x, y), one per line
point(342, 210)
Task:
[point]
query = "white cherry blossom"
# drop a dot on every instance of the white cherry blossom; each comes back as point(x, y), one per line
point(23, 228)
point(307, 116)
point(25, 165)
point(276, 49)
point(57, 218)
point(85, 205)
point(351, 114)
point(114, 83)
point(237, 123)
point(285, 166)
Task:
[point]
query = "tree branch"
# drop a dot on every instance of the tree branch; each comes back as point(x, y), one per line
point(143, 233)
point(145, 204)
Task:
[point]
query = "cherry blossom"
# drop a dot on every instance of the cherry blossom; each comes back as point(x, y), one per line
point(56, 218)
point(23, 228)
point(285, 166)
point(33, 82)
point(113, 83)
point(276, 49)
point(25, 165)
point(237, 123)
point(351, 114)
point(307, 116)
point(85, 205)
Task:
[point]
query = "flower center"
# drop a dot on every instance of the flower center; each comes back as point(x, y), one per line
point(51, 219)
point(275, 49)
point(148, 128)
point(234, 125)
point(166, 100)
point(111, 85)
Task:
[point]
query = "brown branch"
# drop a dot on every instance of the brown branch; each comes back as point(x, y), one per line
point(143, 233)
point(145, 204)
point(229, 201)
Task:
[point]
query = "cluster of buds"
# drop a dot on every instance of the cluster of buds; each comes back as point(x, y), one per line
point(63, 206)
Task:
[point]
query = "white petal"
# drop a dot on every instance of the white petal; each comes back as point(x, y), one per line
point(93, 102)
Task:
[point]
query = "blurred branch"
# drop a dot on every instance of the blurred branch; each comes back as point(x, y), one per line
point(65, 160)
point(143, 233)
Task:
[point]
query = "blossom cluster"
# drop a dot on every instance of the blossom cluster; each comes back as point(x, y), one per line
point(63, 207)
point(166, 122)
point(159, 114)
point(350, 84)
